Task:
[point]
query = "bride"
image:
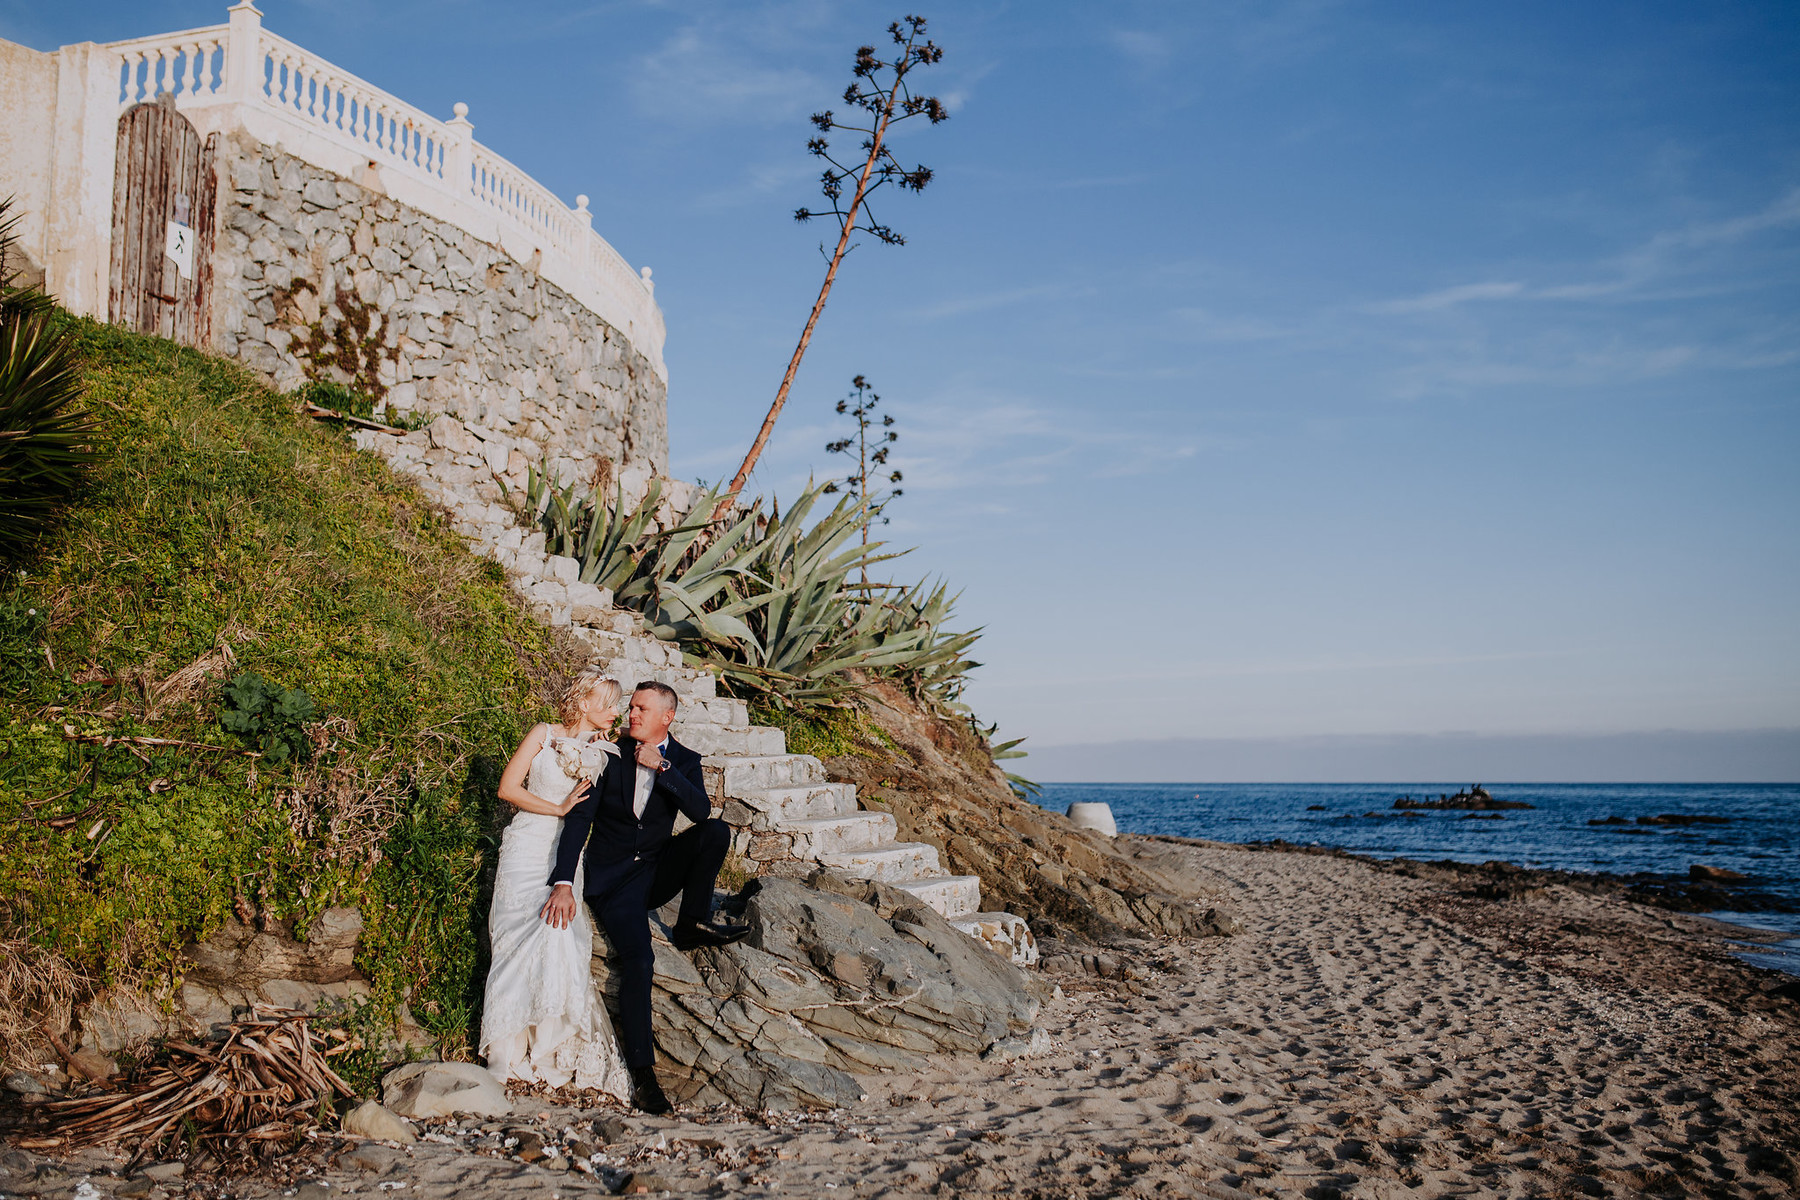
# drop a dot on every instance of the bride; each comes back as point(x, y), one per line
point(541, 1021)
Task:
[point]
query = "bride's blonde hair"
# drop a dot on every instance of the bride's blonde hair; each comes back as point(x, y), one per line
point(588, 681)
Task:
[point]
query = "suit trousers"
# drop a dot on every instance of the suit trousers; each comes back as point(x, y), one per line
point(621, 896)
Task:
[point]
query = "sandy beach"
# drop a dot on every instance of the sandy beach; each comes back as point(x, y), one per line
point(1369, 1033)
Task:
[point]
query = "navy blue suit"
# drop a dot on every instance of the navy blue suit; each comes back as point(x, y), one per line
point(634, 865)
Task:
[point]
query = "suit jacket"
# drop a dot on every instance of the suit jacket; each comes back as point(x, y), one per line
point(605, 823)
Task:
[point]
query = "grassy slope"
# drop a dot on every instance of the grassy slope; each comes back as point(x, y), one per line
point(220, 518)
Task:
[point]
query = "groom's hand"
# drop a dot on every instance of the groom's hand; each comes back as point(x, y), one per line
point(559, 910)
point(649, 756)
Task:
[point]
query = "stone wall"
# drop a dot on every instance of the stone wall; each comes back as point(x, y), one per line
point(321, 275)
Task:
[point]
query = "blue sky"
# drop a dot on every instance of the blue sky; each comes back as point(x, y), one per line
point(1263, 370)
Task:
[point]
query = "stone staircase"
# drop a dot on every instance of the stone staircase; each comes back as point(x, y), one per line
point(783, 812)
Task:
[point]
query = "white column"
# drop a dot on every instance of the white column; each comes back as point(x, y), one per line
point(79, 216)
point(243, 54)
point(460, 157)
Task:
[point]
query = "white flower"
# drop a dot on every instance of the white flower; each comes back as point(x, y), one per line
point(578, 758)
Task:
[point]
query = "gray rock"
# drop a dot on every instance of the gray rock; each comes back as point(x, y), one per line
point(164, 1172)
point(842, 977)
point(370, 1156)
point(371, 1120)
point(420, 1090)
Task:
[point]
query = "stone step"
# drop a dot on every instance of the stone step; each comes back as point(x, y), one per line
point(896, 862)
point(853, 833)
point(720, 710)
point(741, 774)
point(811, 802)
point(953, 896)
point(718, 740)
point(1004, 934)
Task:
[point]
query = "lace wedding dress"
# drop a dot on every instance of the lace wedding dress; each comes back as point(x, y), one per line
point(542, 1021)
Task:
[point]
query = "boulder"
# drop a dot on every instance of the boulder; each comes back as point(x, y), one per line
point(420, 1090)
point(371, 1120)
point(1716, 874)
point(1096, 815)
point(837, 976)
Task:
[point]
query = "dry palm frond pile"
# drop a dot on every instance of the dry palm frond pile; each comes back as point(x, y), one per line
point(264, 1085)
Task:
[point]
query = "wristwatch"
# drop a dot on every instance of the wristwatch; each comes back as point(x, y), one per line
point(662, 766)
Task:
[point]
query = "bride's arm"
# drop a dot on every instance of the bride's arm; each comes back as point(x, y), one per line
point(512, 780)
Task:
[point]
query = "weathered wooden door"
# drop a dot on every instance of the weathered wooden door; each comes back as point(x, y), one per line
point(164, 185)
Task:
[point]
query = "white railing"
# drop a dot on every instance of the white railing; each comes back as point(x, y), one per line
point(239, 75)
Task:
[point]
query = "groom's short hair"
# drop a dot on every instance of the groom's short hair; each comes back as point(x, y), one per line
point(661, 689)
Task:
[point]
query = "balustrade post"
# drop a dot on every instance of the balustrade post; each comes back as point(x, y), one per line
point(244, 60)
point(459, 159)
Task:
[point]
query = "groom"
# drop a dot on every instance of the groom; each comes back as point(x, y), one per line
point(634, 865)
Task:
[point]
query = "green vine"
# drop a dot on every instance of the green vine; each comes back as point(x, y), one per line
point(347, 346)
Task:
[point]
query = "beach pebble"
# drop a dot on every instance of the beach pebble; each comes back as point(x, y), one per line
point(133, 1189)
point(644, 1183)
point(610, 1129)
point(370, 1156)
point(371, 1120)
point(164, 1172)
point(312, 1191)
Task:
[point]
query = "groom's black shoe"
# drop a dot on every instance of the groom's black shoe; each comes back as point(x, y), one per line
point(647, 1094)
point(695, 935)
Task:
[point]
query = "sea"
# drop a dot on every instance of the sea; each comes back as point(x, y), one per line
point(1759, 837)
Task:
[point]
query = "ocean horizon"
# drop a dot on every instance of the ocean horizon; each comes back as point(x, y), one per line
point(1752, 829)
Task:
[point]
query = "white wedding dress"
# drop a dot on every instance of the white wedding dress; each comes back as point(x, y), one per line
point(542, 1021)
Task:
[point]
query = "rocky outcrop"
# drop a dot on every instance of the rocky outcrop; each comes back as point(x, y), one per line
point(1475, 799)
point(239, 966)
point(938, 780)
point(838, 976)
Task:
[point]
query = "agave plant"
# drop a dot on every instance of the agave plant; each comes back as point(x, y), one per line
point(44, 433)
point(764, 599)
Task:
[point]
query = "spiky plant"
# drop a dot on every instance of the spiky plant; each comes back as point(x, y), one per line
point(764, 598)
point(44, 432)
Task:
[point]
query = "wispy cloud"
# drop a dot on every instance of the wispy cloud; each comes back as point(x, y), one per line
point(722, 65)
point(1643, 270)
point(1450, 297)
point(957, 306)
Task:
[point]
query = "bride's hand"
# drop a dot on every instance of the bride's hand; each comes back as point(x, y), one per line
point(576, 795)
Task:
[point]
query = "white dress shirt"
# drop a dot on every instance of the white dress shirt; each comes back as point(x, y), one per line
point(646, 780)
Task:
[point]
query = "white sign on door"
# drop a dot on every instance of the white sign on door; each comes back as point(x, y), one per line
point(181, 248)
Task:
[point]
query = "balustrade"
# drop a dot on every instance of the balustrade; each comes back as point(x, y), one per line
point(466, 183)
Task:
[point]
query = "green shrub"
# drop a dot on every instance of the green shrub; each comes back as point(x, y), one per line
point(221, 527)
point(266, 717)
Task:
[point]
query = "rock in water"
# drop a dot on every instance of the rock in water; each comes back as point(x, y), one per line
point(1716, 874)
point(371, 1120)
point(440, 1089)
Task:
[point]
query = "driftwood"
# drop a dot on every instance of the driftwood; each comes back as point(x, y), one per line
point(320, 413)
point(264, 1084)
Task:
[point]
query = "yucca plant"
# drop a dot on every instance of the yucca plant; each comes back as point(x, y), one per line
point(44, 431)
